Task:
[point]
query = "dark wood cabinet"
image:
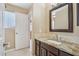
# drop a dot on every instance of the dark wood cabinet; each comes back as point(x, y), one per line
point(43, 49)
point(37, 48)
point(49, 49)
point(37, 51)
point(62, 53)
point(50, 54)
point(43, 52)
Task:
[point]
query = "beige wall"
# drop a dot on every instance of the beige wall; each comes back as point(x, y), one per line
point(2, 7)
point(41, 22)
point(39, 18)
point(10, 38)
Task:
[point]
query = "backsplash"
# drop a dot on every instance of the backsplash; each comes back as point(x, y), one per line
point(72, 39)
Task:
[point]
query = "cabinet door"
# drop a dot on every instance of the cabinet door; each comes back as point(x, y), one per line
point(50, 54)
point(50, 48)
point(43, 52)
point(37, 48)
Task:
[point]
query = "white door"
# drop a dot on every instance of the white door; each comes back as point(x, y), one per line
point(22, 38)
point(2, 40)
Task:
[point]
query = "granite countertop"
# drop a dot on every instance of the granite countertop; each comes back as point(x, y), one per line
point(68, 47)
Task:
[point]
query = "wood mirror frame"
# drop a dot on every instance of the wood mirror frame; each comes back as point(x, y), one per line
point(70, 18)
point(77, 14)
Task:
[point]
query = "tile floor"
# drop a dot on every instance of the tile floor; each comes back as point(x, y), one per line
point(21, 52)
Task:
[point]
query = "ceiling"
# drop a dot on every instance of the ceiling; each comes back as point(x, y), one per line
point(23, 5)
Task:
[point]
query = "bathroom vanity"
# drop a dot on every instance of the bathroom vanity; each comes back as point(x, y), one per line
point(44, 49)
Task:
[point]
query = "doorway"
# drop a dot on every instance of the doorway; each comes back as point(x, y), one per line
point(17, 36)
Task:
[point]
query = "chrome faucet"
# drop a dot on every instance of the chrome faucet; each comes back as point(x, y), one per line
point(58, 38)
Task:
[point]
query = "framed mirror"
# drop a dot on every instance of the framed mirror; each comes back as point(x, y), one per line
point(77, 14)
point(61, 18)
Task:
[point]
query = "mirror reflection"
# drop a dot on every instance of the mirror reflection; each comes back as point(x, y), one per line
point(60, 18)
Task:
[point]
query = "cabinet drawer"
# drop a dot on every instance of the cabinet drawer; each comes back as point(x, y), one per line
point(50, 48)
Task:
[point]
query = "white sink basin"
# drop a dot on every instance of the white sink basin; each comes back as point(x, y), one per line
point(54, 42)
